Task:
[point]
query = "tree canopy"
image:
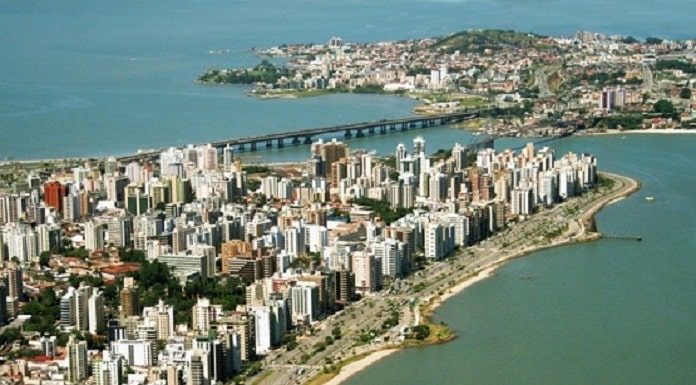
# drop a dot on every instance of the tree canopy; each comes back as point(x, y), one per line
point(685, 93)
point(674, 64)
point(131, 255)
point(665, 108)
point(158, 282)
point(44, 312)
point(264, 72)
point(10, 335)
point(383, 209)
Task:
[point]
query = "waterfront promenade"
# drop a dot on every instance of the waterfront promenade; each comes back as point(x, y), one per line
point(437, 283)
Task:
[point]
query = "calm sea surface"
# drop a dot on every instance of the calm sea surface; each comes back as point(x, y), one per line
point(110, 77)
point(606, 312)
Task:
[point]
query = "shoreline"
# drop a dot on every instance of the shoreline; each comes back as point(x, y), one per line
point(481, 273)
point(353, 368)
point(30, 161)
point(583, 235)
point(661, 131)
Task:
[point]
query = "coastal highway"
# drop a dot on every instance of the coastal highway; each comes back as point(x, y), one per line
point(566, 219)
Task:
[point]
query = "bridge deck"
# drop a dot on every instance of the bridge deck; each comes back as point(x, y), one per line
point(386, 125)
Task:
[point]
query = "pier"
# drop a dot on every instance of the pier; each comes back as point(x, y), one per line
point(637, 238)
point(307, 136)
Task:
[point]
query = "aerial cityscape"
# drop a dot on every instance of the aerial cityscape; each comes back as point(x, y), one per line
point(482, 206)
point(534, 85)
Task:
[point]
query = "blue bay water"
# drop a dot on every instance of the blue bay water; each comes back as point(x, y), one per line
point(107, 77)
point(605, 312)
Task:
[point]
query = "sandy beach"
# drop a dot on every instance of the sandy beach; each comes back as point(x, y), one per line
point(670, 131)
point(488, 269)
point(355, 367)
point(481, 274)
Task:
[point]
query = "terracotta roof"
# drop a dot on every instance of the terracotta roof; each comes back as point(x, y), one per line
point(120, 269)
point(41, 359)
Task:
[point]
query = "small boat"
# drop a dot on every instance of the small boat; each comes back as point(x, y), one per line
point(650, 198)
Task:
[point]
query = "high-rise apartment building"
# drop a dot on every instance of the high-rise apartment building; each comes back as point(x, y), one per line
point(77, 360)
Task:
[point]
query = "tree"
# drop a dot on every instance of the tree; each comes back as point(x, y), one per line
point(630, 40)
point(685, 93)
point(290, 342)
point(81, 253)
point(665, 108)
point(24, 353)
point(336, 333)
point(62, 339)
point(110, 294)
point(161, 284)
point(10, 335)
point(675, 64)
point(74, 280)
point(315, 257)
point(44, 258)
point(626, 122)
point(131, 255)
point(256, 169)
point(253, 184)
point(383, 209)
point(254, 368)
point(421, 332)
point(44, 312)
point(48, 298)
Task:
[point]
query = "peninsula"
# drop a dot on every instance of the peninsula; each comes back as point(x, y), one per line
point(422, 293)
point(532, 84)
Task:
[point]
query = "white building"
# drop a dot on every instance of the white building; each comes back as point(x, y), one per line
point(367, 270)
point(185, 265)
point(318, 238)
point(204, 314)
point(108, 370)
point(294, 241)
point(95, 309)
point(305, 303)
point(135, 352)
point(391, 253)
point(263, 327)
point(77, 360)
point(161, 317)
point(439, 240)
point(522, 201)
point(547, 190)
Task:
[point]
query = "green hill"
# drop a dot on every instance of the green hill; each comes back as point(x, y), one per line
point(479, 40)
